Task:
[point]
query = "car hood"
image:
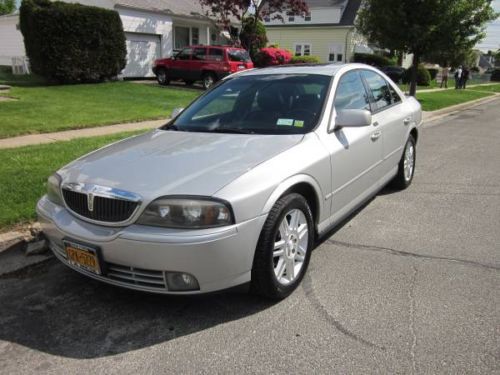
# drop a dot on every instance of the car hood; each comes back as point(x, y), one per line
point(173, 162)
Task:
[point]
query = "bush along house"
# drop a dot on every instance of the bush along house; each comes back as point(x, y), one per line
point(153, 29)
point(327, 31)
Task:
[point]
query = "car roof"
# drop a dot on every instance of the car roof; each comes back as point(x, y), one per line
point(213, 46)
point(321, 69)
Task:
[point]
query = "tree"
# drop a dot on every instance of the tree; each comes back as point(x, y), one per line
point(253, 35)
point(422, 27)
point(225, 10)
point(7, 6)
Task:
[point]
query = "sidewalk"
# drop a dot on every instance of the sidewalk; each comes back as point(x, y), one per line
point(451, 85)
point(35, 139)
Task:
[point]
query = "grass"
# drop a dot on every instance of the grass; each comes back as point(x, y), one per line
point(44, 109)
point(432, 101)
point(489, 88)
point(7, 78)
point(24, 172)
point(433, 85)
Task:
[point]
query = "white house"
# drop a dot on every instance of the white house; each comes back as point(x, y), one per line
point(153, 29)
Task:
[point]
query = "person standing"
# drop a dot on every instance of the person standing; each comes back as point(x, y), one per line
point(465, 77)
point(458, 77)
point(444, 77)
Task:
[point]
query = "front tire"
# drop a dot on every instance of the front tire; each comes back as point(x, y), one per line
point(406, 168)
point(284, 248)
point(162, 77)
point(208, 80)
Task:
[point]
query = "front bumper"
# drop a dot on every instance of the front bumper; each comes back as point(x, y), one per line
point(137, 257)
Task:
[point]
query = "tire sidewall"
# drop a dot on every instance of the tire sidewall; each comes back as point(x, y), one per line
point(409, 142)
point(295, 201)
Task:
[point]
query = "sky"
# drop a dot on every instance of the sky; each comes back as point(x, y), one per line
point(492, 40)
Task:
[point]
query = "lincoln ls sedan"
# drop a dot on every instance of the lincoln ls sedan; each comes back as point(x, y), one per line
point(237, 188)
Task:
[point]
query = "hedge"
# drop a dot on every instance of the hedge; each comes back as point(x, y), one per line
point(304, 60)
point(495, 76)
point(423, 76)
point(272, 56)
point(70, 43)
point(374, 60)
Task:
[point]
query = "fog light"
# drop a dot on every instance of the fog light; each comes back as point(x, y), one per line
point(178, 281)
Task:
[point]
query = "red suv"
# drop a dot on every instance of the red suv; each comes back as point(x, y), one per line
point(205, 63)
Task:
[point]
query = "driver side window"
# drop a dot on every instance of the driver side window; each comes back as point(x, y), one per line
point(185, 54)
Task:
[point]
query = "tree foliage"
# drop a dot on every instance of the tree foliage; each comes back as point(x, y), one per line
point(7, 6)
point(422, 27)
point(253, 35)
point(71, 43)
point(227, 10)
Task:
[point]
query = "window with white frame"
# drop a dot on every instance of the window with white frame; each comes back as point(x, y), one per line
point(336, 52)
point(307, 17)
point(302, 49)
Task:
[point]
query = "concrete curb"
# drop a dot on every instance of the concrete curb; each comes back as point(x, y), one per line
point(36, 139)
point(440, 113)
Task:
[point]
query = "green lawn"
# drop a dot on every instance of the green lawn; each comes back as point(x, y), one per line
point(24, 172)
point(432, 101)
point(43, 109)
point(490, 88)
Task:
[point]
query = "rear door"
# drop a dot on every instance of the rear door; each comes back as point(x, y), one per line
point(392, 120)
point(198, 61)
point(355, 153)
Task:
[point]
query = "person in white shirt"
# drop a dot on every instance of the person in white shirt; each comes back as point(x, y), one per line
point(458, 77)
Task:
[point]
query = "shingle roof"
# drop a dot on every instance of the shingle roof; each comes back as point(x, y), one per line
point(178, 7)
point(350, 12)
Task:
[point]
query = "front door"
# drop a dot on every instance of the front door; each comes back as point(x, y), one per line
point(356, 152)
point(389, 113)
point(180, 65)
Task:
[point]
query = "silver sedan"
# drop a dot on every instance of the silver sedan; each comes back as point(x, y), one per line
point(237, 188)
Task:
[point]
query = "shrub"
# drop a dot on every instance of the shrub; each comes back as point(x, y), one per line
point(374, 60)
point(71, 43)
point(475, 69)
point(433, 72)
point(423, 76)
point(253, 35)
point(272, 56)
point(304, 60)
point(495, 76)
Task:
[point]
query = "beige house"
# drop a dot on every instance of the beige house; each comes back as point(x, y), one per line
point(327, 32)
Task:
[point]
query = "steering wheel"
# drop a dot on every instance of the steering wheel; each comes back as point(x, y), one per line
point(302, 114)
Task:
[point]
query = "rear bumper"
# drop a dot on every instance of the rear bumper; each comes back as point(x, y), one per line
point(138, 257)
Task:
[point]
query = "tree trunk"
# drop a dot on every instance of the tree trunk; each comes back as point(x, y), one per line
point(414, 69)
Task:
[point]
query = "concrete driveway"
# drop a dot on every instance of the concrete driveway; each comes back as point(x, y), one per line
point(410, 284)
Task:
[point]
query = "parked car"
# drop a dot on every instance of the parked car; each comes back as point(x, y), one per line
point(202, 63)
point(394, 72)
point(237, 187)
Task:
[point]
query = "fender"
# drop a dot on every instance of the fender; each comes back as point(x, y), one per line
point(290, 182)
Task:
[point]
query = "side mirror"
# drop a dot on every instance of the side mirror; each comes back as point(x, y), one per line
point(353, 118)
point(176, 112)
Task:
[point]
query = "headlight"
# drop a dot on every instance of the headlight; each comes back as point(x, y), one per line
point(53, 189)
point(187, 213)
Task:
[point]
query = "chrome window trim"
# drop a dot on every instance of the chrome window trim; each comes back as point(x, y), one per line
point(104, 192)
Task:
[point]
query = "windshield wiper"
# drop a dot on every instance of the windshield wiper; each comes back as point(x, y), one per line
point(232, 130)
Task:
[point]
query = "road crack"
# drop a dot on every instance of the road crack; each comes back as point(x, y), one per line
point(310, 293)
point(411, 297)
point(401, 253)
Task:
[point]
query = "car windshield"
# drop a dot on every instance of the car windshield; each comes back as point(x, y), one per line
point(261, 104)
point(238, 55)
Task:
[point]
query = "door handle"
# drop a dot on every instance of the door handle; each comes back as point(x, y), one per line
point(376, 135)
point(407, 121)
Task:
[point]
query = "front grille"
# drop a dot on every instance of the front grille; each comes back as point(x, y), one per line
point(105, 209)
point(136, 276)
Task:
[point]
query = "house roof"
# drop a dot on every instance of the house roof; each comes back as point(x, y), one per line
point(190, 8)
point(350, 12)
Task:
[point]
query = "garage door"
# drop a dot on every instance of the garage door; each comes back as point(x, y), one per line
point(142, 50)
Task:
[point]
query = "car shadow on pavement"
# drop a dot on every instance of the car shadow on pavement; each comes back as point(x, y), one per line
point(55, 310)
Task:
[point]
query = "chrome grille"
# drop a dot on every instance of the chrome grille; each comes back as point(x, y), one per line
point(111, 210)
point(136, 276)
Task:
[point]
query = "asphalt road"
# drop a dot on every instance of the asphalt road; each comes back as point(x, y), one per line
point(410, 284)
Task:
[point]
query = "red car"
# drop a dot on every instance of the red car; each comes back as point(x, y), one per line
point(202, 63)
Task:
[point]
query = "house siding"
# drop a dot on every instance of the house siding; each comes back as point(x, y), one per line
point(322, 39)
point(11, 40)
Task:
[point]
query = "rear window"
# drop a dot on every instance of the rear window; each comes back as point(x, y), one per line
point(238, 55)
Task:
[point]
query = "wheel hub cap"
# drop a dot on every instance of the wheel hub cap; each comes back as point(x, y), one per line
point(290, 246)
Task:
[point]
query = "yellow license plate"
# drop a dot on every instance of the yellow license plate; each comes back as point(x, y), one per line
point(83, 257)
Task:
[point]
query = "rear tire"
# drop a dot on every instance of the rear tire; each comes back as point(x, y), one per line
point(284, 248)
point(406, 168)
point(208, 80)
point(162, 77)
